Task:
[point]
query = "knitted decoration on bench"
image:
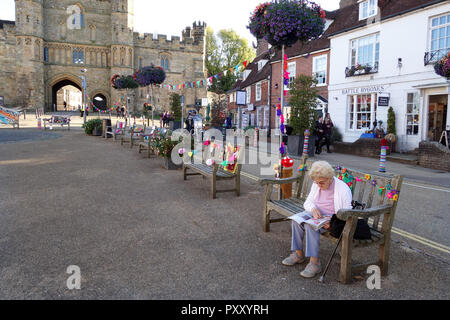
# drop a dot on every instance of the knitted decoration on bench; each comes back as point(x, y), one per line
point(232, 156)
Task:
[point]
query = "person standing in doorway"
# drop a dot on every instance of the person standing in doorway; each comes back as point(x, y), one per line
point(327, 132)
point(319, 134)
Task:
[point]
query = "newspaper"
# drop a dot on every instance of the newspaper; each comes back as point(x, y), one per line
point(306, 217)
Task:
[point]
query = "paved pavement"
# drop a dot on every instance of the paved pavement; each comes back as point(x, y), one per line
point(138, 231)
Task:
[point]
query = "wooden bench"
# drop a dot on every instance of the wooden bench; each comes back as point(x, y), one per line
point(145, 142)
point(119, 130)
point(57, 120)
point(132, 135)
point(216, 172)
point(377, 205)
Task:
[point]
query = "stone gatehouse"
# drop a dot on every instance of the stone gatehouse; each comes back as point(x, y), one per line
point(51, 41)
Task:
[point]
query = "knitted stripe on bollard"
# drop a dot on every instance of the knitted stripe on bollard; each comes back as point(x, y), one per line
point(383, 155)
point(383, 159)
point(306, 143)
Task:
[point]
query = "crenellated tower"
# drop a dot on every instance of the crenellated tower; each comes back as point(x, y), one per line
point(30, 54)
point(122, 46)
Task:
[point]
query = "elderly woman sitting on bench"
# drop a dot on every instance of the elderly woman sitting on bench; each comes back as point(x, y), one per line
point(328, 195)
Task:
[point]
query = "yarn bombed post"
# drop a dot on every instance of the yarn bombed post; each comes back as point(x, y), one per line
point(306, 143)
point(384, 148)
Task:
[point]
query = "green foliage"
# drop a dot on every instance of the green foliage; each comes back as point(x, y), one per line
point(303, 99)
point(218, 113)
point(336, 135)
point(91, 124)
point(391, 121)
point(147, 111)
point(225, 51)
point(164, 145)
point(175, 106)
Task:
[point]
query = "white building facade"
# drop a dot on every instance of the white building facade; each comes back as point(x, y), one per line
point(388, 62)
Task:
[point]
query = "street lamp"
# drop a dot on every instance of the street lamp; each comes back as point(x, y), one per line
point(83, 85)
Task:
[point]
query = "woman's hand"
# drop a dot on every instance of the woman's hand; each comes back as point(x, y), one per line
point(316, 213)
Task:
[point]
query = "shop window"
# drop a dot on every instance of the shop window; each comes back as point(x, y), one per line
point(362, 111)
point(412, 114)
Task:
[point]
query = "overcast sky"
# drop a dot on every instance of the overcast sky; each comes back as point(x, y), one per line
point(170, 17)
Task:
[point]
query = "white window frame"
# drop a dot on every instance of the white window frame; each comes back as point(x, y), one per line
point(415, 102)
point(249, 94)
point(355, 47)
point(369, 115)
point(315, 71)
point(258, 93)
point(292, 69)
point(371, 6)
point(445, 39)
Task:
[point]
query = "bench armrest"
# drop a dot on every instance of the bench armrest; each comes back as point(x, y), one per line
point(272, 181)
point(344, 214)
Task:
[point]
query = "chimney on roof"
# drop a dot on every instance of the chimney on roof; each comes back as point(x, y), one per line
point(261, 47)
point(346, 3)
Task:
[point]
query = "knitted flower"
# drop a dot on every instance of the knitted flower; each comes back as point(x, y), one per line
point(367, 176)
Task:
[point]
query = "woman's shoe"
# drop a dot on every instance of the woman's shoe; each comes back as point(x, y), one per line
point(293, 259)
point(311, 270)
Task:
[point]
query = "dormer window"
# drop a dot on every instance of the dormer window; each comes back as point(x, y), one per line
point(367, 9)
point(246, 74)
point(261, 64)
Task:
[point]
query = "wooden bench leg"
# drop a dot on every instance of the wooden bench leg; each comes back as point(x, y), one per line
point(184, 173)
point(383, 254)
point(266, 220)
point(213, 186)
point(345, 275)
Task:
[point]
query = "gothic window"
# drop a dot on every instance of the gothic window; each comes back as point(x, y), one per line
point(46, 54)
point(78, 56)
point(140, 63)
point(165, 63)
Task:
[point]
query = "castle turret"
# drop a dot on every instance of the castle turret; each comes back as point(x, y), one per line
point(199, 32)
point(122, 47)
point(30, 54)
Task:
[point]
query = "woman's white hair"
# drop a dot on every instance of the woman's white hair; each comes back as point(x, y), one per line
point(321, 169)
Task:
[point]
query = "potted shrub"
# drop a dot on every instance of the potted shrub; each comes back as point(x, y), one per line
point(93, 127)
point(165, 147)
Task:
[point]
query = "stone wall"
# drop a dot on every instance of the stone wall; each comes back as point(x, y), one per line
point(362, 147)
point(434, 155)
point(8, 62)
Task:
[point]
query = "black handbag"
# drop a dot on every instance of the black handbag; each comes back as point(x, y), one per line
point(362, 231)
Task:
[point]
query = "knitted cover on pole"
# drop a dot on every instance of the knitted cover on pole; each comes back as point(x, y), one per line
point(306, 143)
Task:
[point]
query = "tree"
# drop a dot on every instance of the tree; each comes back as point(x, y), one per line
point(303, 101)
point(218, 113)
point(223, 52)
point(391, 121)
point(175, 106)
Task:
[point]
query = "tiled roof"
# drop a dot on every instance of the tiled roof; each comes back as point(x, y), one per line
point(255, 75)
point(347, 18)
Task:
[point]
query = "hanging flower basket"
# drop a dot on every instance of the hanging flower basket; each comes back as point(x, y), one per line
point(287, 21)
point(149, 76)
point(123, 82)
point(442, 67)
